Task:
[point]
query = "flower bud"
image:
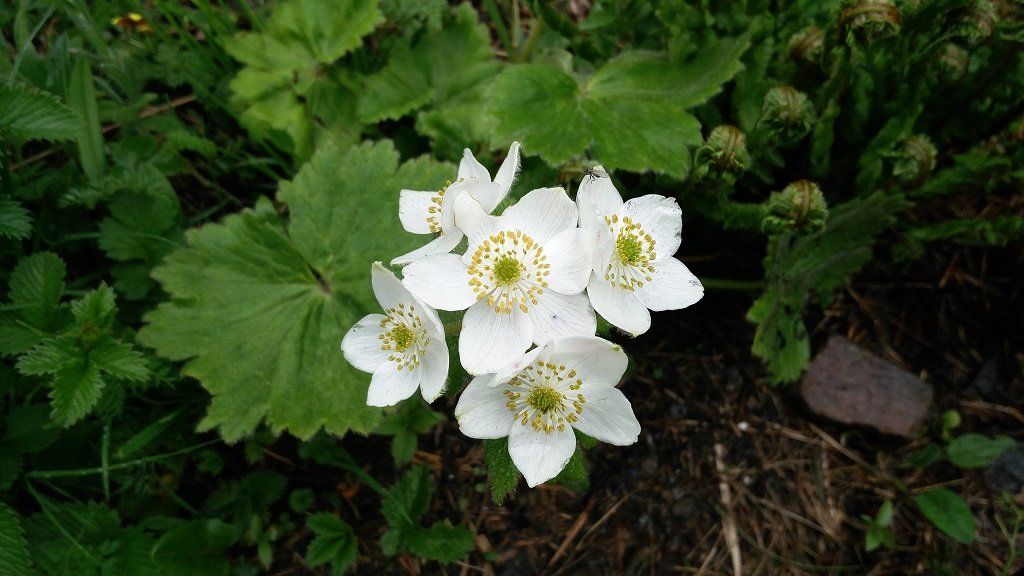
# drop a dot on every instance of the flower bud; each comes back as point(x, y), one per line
point(725, 152)
point(976, 22)
point(913, 160)
point(800, 208)
point(807, 45)
point(866, 21)
point(953, 62)
point(787, 114)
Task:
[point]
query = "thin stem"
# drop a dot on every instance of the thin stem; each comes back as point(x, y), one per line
point(75, 472)
point(499, 26)
point(452, 328)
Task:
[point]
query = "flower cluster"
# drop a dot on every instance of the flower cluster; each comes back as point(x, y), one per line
point(529, 281)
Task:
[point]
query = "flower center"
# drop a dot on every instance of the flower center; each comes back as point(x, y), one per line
point(434, 212)
point(404, 336)
point(544, 399)
point(541, 395)
point(508, 270)
point(633, 258)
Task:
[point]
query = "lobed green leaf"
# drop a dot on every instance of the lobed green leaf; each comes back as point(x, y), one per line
point(28, 113)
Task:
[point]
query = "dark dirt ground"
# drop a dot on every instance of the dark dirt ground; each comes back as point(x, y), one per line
point(734, 476)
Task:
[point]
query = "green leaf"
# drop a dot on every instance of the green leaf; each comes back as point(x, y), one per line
point(28, 428)
point(118, 359)
point(15, 559)
point(443, 542)
point(438, 67)
point(71, 538)
point(335, 542)
point(575, 476)
point(96, 309)
point(15, 221)
point(76, 388)
point(631, 112)
point(922, 458)
point(502, 471)
point(973, 450)
point(28, 113)
point(948, 512)
point(82, 99)
point(37, 284)
point(285, 70)
point(196, 547)
point(259, 310)
point(407, 501)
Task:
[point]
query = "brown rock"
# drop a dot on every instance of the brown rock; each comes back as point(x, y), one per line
point(850, 385)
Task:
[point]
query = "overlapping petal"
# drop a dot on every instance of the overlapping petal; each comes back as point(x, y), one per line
point(440, 281)
point(673, 286)
point(542, 213)
point(490, 339)
point(539, 456)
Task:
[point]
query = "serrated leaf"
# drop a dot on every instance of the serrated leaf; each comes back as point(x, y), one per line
point(96, 308)
point(37, 284)
point(28, 428)
point(948, 512)
point(48, 356)
point(197, 547)
point(335, 542)
point(15, 559)
point(118, 359)
point(631, 113)
point(502, 471)
point(259, 311)
point(438, 67)
point(407, 501)
point(442, 542)
point(132, 557)
point(76, 388)
point(15, 221)
point(284, 69)
point(93, 529)
point(13, 463)
point(26, 112)
point(973, 450)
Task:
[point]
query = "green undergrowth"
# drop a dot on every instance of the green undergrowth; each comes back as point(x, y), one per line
point(190, 198)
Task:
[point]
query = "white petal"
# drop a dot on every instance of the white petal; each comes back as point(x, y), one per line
point(434, 368)
point(597, 362)
point(443, 244)
point(506, 372)
point(361, 344)
point(620, 307)
point(661, 218)
point(471, 168)
point(414, 209)
point(387, 287)
point(570, 254)
point(440, 281)
point(471, 218)
point(608, 416)
point(539, 456)
point(389, 385)
point(597, 197)
point(672, 286)
point(542, 213)
point(557, 316)
point(483, 191)
point(481, 411)
point(507, 173)
point(490, 340)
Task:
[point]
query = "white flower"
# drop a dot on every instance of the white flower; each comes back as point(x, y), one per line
point(521, 278)
point(433, 212)
point(634, 267)
point(403, 348)
point(540, 397)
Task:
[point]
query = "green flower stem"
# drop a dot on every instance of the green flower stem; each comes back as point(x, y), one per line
point(499, 25)
point(75, 472)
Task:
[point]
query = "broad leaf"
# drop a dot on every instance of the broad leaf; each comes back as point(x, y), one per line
point(36, 287)
point(443, 542)
point(197, 547)
point(285, 87)
point(948, 512)
point(444, 67)
point(630, 114)
point(259, 308)
point(502, 471)
point(28, 113)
